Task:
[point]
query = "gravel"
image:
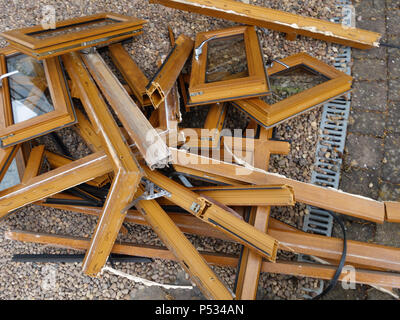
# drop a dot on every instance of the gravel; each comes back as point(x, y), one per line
point(66, 281)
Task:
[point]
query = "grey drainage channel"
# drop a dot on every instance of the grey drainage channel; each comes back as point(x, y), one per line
point(330, 147)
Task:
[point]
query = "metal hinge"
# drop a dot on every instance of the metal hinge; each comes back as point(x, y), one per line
point(152, 191)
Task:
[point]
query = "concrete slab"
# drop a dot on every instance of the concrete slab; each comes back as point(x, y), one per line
point(391, 165)
point(368, 123)
point(370, 96)
point(363, 151)
point(361, 182)
point(393, 119)
point(369, 69)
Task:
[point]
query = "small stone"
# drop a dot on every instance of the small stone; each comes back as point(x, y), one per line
point(314, 125)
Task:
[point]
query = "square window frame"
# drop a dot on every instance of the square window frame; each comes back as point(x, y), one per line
point(254, 85)
point(271, 115)
point(63, 114)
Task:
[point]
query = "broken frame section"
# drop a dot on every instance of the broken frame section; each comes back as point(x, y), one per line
point(75, 34)
point(164, 79)
point(227, 65)
point(271, 114)
point(131, 72)
point(34, 100)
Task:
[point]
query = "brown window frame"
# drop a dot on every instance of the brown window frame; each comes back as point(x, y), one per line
point(23, 40)
point(268, 116)
point(255, 84)
point(63, 114)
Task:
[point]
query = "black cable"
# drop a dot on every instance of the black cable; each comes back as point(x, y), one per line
point(72, 202)
point(71, 258)
point(85, 196)
point(389, 45)
point(339, 269)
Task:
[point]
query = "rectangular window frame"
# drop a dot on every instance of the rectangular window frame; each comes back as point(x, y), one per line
point(23, 40)
point(271, 115)
point(63, 114)
point(256, 84)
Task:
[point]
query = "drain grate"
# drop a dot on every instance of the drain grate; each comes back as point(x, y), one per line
point(333, 130)
point(332, 139)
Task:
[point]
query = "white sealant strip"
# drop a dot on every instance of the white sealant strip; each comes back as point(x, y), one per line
point(142, 280)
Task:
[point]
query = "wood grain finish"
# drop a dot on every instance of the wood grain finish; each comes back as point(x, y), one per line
point(325, 198)
point(127, 173)
point(152, 147)
point(288, 23)
point(217, 215)
point(370, 277)
point(54, 181)
point(131, 72)
point(267, 115)
point(191, 261)
point(253, 85)
point(25, 41)
point(166, 76)
point(63, 115)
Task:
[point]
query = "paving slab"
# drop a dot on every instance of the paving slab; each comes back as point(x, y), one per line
point(372, 23)
point(393, 119)
point(363, 151)
point(393, 40)
point(361, 182)
point(389, 192)
point(393, 22)
point(394, 90)
point(370, 8)
point(391, 161)
point(369, 69)
point(375, 53)
point(369, 95)
point(374, 121)
point(388, 234)
point(394, 66)
point(392, 4)
point(368, 123)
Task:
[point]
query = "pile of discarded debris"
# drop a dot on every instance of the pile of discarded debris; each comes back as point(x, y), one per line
point(143, 163)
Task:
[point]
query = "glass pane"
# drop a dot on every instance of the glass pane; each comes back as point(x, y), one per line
point(11, 178)
point(45, 34)
point(30, 96)
point(291, 82)
point(226, 59)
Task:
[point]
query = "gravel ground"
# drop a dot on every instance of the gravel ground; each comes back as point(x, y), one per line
point(28, 281)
